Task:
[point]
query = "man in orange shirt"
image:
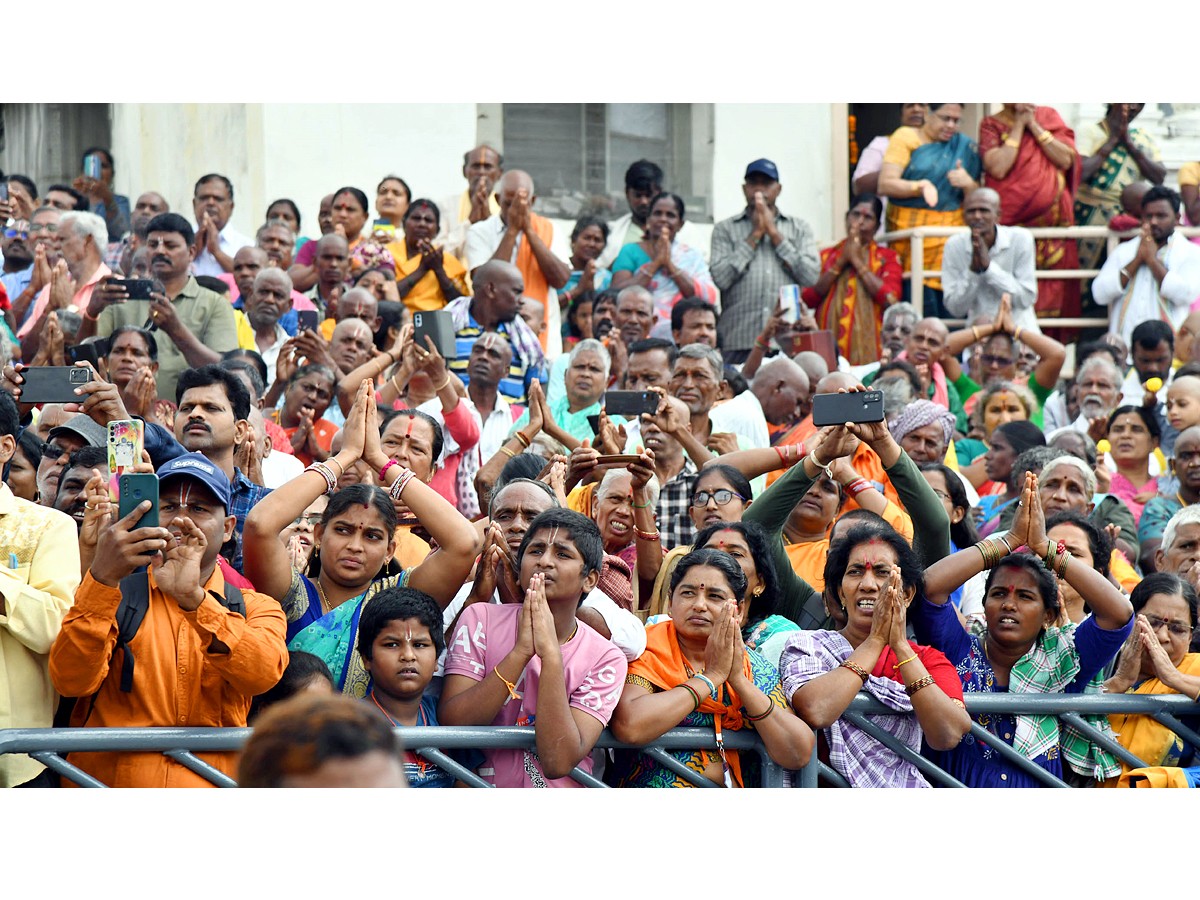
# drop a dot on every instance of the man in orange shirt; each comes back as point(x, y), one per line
point(192, 662)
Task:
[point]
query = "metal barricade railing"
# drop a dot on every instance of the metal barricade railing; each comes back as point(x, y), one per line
point(49, 745)
point(917, 273)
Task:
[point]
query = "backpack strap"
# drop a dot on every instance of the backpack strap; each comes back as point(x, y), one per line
point(135, 600)
point(233, 600)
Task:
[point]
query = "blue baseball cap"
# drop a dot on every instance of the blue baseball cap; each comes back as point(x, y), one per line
point(201, 468)
point(763, 167)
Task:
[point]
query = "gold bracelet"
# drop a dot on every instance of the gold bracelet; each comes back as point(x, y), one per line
point(509, 452)
point(1017, 333)
point(917, 685)
point(1016, 145)
point(442, 386)
point(1045, 137)
point(910, 659)
point(975, 333)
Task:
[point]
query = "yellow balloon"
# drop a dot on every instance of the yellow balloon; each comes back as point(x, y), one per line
point(1154, 385)
point(1103, 446)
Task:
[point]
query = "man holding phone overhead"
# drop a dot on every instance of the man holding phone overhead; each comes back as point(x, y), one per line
point(195, 325)
point(202, 649)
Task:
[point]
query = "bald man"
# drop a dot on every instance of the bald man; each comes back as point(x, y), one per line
point(517, 235)
point(989, 260)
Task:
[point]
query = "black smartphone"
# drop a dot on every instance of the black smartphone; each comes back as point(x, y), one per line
point(439, 325)
point(630, 403)
point(77, 353)
point(3, 190)
point(308, 320)
point(138, 288)
point(134, 488)
point(838, 409)
point(53, 384)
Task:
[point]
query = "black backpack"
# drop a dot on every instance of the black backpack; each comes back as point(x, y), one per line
point(135, 600)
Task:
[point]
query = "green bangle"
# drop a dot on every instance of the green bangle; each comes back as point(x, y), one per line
point(641, 506)
point(695, 697)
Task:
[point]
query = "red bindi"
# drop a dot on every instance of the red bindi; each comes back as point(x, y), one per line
point(411, 419)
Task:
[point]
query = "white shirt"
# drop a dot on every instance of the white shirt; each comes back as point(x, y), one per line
point(1010, 270)
point(231, 242)
point(271, 354)
point(1144, 298)
point(280, 468)
point(452, 235)
point(483, 239)
point(493, 431)
point(743, 416)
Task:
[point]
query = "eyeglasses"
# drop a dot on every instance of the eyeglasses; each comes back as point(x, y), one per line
point(990, 360)
point(16, 232)
point(942, 495)
point(49, 228)
point(723, 497)
point(1179, 629)
point(53, 451)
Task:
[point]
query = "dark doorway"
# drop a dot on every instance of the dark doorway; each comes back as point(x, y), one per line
point(46, 140)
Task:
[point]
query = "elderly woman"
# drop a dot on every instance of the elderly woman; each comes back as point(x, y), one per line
point(1030, 161)
point(1114, 157)
point(697, 672)
point(623, 509)
point(1155, 660)
point(1024, 649)
point(661, 263)
point(926, 172)
point(585, 380)
point(426, 278)
point(858, 281)
point(308, 394)
point(871, 577)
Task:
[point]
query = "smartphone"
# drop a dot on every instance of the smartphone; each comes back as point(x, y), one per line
point(383, 225)
point(439, 325)
point(138, 288)
point(136, 487)
point(630, 403)
point(618, 459)
point(308, 320)
point(4, 190)
point(54, 384)
point(838, 409)
point(91, 166)
point(789, 299)
point(126, 437)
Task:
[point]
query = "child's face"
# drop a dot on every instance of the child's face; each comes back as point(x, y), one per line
point(1183, 403)
point(403, 659)
point(552, 552)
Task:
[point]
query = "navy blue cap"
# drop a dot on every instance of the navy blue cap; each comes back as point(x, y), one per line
point(199, 467)
point(763, 167)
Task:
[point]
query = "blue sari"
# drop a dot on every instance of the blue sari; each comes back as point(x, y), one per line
point(334, 636)
point(934, 161)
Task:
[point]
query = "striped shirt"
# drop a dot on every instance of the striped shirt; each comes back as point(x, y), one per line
point(529, 361)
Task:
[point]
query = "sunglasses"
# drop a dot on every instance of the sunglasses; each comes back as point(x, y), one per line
point(53, 451)
point(16, 232)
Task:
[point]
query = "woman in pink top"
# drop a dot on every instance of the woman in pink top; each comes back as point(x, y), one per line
point(1133, 434)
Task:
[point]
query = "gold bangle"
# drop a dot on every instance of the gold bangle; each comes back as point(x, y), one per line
point(1045, 137)
point(917, 685)
point(1016, 145)
point(1017, 333)
point(975, 333)
point(509, 452)
point(442, 386)
point(395, 384)
point(521, 439)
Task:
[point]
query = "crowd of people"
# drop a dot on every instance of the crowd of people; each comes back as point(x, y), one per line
point(356, 528)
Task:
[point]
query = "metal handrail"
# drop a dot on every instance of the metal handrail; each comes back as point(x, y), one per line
point(917, 272)
point(49, 745)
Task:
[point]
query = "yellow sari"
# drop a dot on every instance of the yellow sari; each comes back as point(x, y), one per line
point(1145, 738)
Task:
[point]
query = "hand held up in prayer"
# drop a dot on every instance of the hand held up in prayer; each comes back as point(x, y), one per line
point(178, 574)
point(718, 652)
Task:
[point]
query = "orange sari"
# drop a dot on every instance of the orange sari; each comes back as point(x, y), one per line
point(853, 315)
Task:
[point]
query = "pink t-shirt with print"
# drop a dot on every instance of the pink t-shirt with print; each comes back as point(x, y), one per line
point(594, 671)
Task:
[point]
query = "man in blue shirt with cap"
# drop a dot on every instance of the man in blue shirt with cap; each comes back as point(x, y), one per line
point(753, 255)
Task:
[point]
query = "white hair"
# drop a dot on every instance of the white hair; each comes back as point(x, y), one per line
point(591, 345)
point(1089, 476)
point(904, 310)
point(85, 223)
point(1105, 362)
point(275, 273)
point(610, 477)
point(1189, 515)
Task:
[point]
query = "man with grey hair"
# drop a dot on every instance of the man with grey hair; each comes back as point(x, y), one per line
point(696, 379)
point(1099, 383)
point(506, 236)
point(1180, 548)
point(988, 261)
point(899, 320)
point(268, 300)
point(82, 240)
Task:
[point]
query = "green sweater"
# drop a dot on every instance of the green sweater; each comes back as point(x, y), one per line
point(798, 600)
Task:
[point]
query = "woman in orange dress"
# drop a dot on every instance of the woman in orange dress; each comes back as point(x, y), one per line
point(859, 279)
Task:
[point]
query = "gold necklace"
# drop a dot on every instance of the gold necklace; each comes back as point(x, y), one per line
point(325, 607)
